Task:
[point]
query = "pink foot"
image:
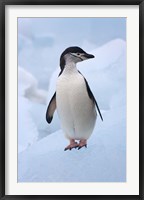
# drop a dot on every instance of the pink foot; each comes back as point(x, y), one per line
point(72, 145)
point(83, 143)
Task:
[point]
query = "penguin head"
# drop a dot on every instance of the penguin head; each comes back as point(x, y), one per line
point(73, 54)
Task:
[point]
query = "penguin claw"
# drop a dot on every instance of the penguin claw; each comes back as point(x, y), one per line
point(79, 148)
point(70, 148)
point(82, 146)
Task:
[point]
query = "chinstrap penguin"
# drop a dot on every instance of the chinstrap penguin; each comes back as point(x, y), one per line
point(74, 100)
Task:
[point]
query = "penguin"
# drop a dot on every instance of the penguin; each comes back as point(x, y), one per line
point(75, 103)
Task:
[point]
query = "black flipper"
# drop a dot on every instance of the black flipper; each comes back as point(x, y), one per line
point(60, 72)
point(91, 96)
point(51, 108)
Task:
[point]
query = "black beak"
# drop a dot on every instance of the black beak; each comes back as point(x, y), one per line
point(88, 56)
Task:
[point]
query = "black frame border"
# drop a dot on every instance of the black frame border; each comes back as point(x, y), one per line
point(3, 3)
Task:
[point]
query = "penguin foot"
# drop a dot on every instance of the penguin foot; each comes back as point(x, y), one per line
point(83, 143)
point(72, 145)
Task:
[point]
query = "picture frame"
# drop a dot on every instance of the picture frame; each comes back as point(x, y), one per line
point(3, 88)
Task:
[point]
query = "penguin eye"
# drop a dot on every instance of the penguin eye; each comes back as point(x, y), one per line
point(78, 54)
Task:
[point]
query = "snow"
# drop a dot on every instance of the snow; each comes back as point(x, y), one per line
point(28, 87)
point(27, 130)
point(103, 161)
point(30, 100)
point(41, 155)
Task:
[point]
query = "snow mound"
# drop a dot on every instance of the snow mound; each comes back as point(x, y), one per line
point(31, 111)
point(27, 129)
point(105, 158)
point(28, 87)
point(103, 161)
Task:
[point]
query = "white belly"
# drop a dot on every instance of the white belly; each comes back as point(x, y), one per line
point(75, 109)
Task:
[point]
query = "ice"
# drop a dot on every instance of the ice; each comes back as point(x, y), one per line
point(28, 87)
point(103, 161)
point(31, 110)
point(27, 129)
point(45, 160)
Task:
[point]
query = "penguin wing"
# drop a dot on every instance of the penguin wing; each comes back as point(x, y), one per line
point(51, 108)
point(91, 96)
